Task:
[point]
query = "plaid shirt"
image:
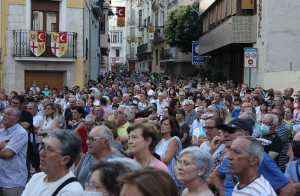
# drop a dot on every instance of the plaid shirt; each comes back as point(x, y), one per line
point(13, 171)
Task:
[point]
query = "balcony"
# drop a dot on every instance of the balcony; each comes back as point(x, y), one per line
point(174, 55)
point(21, 48)
point(144, 48)
point(131, 57)
point(158, 36)
point(115, 44)
point(236, 29)
point(117, 60)
point(97, 7)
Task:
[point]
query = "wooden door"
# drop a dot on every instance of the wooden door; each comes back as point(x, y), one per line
point(54, 79)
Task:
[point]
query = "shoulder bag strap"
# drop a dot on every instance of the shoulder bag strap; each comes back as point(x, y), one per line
point(68, 181)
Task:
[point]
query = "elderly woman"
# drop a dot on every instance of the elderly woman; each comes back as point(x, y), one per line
point(169, 146)
point(148, 181)
point(142, 141)
point(193, 168)
point(104, 178)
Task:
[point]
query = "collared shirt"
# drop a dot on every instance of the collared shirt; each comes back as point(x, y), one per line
point(189, 118)
point(82, 171)
point(122, 130)
point(13, 171)
point(161, 106)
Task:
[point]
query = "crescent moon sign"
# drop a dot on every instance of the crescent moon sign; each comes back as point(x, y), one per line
point(120, 12)
point(61, 38)
point(40, 37)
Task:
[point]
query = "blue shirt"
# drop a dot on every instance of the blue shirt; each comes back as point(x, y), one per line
point(291, 171)
point(268, 169)
point(13, 171)
point(235, 113)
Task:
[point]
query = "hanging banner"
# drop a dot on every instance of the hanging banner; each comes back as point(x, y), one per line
point(151, 32)
point(121, 17)
point(58, 43)
point(37, 42)
point(132, 42)
point(196, 58)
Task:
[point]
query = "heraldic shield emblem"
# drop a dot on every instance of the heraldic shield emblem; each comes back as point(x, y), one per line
point(59, 43)
point(37, 42)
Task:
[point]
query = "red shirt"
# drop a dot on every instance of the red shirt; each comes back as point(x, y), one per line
point(83, 135)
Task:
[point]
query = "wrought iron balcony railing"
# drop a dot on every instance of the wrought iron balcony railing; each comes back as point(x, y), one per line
point(21, 45)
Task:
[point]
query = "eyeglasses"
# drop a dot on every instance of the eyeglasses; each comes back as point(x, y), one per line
point(208, 128)
point(246, 106)
point(16, 103)
point(48, 150)
point(119, 113)
point(92, 139)
point(8, 114)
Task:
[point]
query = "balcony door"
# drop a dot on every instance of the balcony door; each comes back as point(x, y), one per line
point(45, 17)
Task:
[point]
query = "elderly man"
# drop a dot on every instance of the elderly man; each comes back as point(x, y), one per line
point(197, 122)
point(182, 97)
point(190, 114)
point(284, 134)
point(278, 101)
point(89, 122)
point(99, 144)
point(58, 154)
point(268, 168)
point(246, 155)
point(271, 141)
point(37, 121)
point(122, 116)
point(161, 104)
point(98, 112)
point(125, 100)
point(13, 149)
point(251, 118)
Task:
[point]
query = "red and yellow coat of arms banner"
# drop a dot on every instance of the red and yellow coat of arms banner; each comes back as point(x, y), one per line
point(37, 42)
point(121, 17)
point(58, 43)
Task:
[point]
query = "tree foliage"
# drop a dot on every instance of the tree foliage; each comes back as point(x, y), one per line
point(182, 27)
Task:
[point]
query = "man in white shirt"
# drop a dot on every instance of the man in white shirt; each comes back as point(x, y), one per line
point(161, 104)
point(57, 156)
point(37, 121)
point(246, 155)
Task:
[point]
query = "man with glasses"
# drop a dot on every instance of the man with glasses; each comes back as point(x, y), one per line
point(58, 154)
point(83, 132)
point(98, 112)
point(190, 113)
point(68, 112)
point(211, 129)
point(13, 149)
point(99, 144)
point(122, 116)
point(225, 182)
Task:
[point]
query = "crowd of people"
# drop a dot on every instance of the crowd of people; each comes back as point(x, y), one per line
point(134, 133)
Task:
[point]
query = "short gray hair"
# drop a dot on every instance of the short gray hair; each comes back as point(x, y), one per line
point(255, 148)
point(204, 108)
point(274, 117)
point(250, 117)
point(201, 159)
point(34, 105)
point(190, 101)
point(127, 110)
point(70, 143)
point(17, 112)
point(90, 118)
point(107, 133)
point(132, 164)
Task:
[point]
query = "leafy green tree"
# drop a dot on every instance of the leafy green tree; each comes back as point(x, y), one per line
point(182, 27)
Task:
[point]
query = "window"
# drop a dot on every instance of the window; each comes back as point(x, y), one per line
point(140, 18)
point(117, 53)
point(132, 16)
point(45, 15)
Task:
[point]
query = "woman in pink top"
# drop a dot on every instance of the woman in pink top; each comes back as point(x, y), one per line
point(142, 140)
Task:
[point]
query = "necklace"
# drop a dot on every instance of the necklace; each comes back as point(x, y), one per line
point(148, 161)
